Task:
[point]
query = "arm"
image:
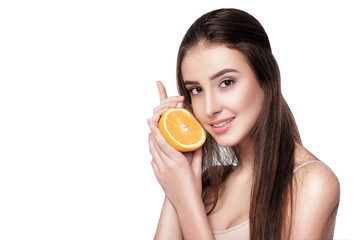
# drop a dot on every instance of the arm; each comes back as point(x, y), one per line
point(168, 226)
point(194, 221)
point(180, 179)
point(191, 217)
point(183, 213)
point(316, 199)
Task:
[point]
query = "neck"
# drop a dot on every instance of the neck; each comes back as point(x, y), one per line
point(246, 152)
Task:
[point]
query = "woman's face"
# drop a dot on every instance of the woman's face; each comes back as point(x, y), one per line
point(225, 95)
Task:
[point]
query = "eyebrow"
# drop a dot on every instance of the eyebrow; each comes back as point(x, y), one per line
point(222, 72)
point(216, 75)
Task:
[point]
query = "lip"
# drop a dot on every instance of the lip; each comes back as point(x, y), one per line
point(220, 121)
point(223, 129)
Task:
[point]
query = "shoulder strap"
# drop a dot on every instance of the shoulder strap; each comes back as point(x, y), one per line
point(304, 164)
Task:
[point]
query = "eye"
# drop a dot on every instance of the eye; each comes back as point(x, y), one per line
point(195, 91)
point(226, 83)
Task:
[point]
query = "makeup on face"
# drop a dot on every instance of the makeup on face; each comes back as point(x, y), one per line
point(225, 95)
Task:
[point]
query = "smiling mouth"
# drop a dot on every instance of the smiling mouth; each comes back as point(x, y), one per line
point(222, 123)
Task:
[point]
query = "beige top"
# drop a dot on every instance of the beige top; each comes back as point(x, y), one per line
point(242, 230)
point(238, 232)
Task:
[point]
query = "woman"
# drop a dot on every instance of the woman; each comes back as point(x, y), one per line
point(252, 179)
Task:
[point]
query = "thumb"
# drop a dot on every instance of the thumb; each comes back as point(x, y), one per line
point(197, 161)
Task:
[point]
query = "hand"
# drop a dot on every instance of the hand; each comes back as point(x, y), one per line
point(165, 102)
point(178, 174)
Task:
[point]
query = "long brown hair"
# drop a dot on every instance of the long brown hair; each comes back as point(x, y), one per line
point(274, 134)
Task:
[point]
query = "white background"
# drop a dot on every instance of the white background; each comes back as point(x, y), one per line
point(78, 83)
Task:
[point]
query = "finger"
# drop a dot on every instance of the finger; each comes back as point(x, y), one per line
point(197, 162)
point(168, 103)
point(156, 171)
point(163, 148)
point(189, 156)
point(155, 167)
point(154, 153)
point(160, 143)
point(162, 91)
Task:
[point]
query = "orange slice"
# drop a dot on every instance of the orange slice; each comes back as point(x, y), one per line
point(181, 130)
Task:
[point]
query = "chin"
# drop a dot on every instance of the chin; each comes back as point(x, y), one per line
point(229, 140)
point(226, 142)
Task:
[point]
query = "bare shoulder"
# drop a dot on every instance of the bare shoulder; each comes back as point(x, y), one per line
point(316, 181)
point(316, 199)
point(313, 178)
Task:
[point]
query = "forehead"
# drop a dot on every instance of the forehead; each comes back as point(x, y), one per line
point(203, 61)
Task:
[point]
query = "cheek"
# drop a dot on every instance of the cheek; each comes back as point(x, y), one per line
point(196, 107)
point(246, 96)
point(199, 113)
point(248, 100)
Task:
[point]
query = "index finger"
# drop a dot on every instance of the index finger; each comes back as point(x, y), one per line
point(162, 91)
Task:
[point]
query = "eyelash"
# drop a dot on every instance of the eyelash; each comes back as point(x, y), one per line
point(226, 81)
point(194, 88)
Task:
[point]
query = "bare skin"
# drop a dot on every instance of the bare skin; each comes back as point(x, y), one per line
point(234, 203)
point(316, 188)
point(180, 177)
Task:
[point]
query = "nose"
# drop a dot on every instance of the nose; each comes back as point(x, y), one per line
point(212, 104)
